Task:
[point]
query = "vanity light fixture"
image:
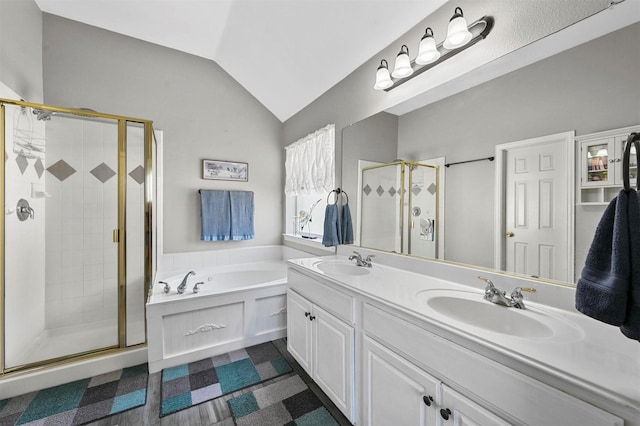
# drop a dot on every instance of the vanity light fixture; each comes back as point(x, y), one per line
point(457, 33)
point(427, 52)
point(402, 68)
point(383, 78)
point(459, 37)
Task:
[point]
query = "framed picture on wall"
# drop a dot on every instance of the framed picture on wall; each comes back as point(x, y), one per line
point(225, 170)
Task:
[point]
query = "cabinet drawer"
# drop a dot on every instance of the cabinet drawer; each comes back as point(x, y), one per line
point(338, 303)
point(513, 395)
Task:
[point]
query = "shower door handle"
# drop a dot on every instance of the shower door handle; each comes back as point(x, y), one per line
point(116, 235)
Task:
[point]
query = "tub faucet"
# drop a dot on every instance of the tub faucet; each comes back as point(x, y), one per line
point(360, 261)
point(183, 284)
point(167, 287)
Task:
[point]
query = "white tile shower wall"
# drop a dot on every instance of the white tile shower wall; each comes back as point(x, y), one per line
point(81, 256)
point(24, 261)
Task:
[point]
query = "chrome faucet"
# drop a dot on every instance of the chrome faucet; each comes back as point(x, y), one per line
point(183, 284)
point(360, 261)
point(494, 295)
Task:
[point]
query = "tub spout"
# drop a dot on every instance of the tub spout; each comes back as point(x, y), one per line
point(183, 284)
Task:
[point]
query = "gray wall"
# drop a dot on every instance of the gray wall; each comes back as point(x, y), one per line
point(590, 88)
point(21, 48)
point(203, 112)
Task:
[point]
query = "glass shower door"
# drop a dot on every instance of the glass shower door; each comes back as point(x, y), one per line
point(61, 260)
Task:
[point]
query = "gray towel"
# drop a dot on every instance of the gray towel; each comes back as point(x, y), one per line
point(610, 281)
point(331, 234)
point(346, 226)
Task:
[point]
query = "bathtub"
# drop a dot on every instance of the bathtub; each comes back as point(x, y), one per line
point(235, 307)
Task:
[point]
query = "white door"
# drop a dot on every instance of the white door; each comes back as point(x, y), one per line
point(538, 208)
point(334, 359)
point(299, 329)
point(396, 392)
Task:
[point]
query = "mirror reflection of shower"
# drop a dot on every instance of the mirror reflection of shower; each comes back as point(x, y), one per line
point(400, 208)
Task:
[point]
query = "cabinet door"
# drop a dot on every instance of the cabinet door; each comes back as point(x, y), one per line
point(395, 392)
point(299, 329)
point(461, 411)
point(597, 158)
point(333, 342)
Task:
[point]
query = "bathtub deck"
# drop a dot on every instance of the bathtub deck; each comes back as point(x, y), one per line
point(215, 412)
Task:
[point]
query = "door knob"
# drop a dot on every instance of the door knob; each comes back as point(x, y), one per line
point(510, 234)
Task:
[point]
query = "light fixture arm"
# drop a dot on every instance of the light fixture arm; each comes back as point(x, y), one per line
point(479, 30)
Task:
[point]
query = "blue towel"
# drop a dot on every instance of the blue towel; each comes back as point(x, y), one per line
point(346, 225)
point(216, 215)
point(631, 326)
point(331, 235)
point(607, 287)
point(241, 215)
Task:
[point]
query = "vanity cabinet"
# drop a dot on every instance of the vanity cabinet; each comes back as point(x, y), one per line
point(321, 337)
point(467, 388)
point(599, 160)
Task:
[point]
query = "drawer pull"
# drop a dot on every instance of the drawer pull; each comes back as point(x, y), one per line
point(306, 314)
point(445, 413)
point(427, 400)
point(311, 318)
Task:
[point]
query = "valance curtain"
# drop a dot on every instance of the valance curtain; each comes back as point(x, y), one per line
point(309, 163)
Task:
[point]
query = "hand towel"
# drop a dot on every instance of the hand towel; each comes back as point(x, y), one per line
point(346, 226)
point(331, 235)
point(631, 325)
point(242, 212)
point(603, 288)
point(216, 215)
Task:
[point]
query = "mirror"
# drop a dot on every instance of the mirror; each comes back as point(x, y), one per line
point(589, 88)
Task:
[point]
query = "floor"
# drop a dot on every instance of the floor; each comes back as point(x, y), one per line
point(215, 412)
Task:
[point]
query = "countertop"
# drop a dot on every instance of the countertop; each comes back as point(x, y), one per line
point(595, 357)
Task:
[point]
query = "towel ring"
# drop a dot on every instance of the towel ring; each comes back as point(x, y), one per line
point(633, 139)
point(337, 191)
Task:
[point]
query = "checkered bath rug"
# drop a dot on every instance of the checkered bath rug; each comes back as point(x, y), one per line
point(287, 402)
point(200, 381)
point(79, 402)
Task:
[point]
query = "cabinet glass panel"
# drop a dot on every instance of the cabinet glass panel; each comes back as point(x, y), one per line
point(597, 163)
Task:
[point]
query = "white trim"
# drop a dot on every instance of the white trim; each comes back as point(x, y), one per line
point(499, 219)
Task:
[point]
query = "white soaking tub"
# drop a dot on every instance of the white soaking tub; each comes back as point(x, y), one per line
point(235, 307)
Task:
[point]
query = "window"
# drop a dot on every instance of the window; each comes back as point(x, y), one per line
point(310, 176)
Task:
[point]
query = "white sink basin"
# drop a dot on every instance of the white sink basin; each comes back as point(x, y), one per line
point(470, 309)
point(341, 268)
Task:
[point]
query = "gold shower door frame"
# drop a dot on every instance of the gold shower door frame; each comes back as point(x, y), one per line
point(119, 233)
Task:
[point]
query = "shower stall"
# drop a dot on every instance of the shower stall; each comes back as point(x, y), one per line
point(399, 209)
point(75, 238)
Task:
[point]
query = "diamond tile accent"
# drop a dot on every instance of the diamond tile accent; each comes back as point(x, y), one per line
point(61, 170)
point(432, 188)
point(22, 162)
point(380, 190)
point(416, 190)
point(39, 167)
point(392, 191)
point(137, 174)
point(367, 189)
point(103, 173)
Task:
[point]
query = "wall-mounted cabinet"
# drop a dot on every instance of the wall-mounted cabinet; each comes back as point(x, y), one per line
point(599, 158)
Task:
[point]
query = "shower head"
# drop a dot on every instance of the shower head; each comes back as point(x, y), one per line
point(42, 114)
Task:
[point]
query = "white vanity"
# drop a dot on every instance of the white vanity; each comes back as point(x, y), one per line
point(395, 347)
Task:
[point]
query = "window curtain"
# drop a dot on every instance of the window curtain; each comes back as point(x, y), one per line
point(309, 163)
